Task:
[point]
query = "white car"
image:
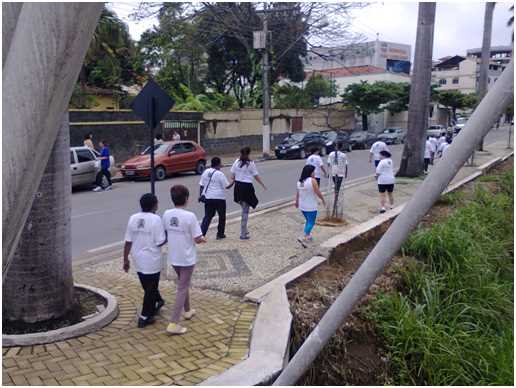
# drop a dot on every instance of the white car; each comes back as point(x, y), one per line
point(435, 130)
point(85, 165)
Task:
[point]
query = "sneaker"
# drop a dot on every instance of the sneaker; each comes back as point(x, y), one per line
point(159, 305)
point(108, 188)
point(382, 210)
point(97, 189)
point(175, 329)
point(246, 237)
point(221, 237)
point(189, 314)
point(142, 322)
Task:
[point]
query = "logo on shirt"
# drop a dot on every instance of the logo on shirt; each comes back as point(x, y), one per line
point(174, 221)
point(141, 223)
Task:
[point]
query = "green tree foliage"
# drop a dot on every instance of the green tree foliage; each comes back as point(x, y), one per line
point(208, 102)
point(317, 87)
point(368, 98)
point(291, 96)
point(453, 100)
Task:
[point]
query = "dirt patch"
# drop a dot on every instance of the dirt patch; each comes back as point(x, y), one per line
point(85, 304)
point(355, 356)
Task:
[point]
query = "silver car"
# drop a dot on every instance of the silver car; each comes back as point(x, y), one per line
point(85, 165)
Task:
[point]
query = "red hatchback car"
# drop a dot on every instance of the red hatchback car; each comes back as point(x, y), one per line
point(169, 158)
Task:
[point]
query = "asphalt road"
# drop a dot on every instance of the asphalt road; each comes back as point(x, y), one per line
point(100, 219)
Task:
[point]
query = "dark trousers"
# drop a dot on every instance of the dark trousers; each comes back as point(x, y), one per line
point(427, 162)
point(318, 181)
point(212, 206)
point(151, 294)
point(102, 173)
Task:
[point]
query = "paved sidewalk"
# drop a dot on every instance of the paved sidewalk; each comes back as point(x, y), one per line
point(121, 354)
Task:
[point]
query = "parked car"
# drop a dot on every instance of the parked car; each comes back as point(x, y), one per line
point(85, 165)
point(298, 144)
point(392, 136)
point(334, 137)
point(362, 139)
point(436, 130)
point(461, 122)
point(169, 158)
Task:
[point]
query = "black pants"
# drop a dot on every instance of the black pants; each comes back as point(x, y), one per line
point(337, 180)
point(318, 181)
point(212, 206)
point(427, 162)
point(102, 173)
point(151, 294)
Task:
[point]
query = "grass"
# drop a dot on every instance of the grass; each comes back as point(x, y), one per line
point(453, 322)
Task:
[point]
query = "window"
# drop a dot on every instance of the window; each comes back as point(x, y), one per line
point(188, 147)
point(442, 82)
point(455, 81)
point(84, 156)
point(178, 148)
point(72, 159)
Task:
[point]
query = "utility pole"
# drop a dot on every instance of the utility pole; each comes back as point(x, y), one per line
point(266, 125)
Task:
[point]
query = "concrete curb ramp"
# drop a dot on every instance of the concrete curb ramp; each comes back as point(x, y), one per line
point(271, 329)
point(88, 326)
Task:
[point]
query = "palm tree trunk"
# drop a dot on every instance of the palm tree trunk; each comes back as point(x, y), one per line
point(413, 151)
point(39, 283)
point(484, 64)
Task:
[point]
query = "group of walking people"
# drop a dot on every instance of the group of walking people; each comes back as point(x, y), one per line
point(435, 148)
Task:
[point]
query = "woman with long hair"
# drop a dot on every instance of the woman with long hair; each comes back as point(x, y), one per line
point(386, 180)
point(306, 200)
point(243, 172)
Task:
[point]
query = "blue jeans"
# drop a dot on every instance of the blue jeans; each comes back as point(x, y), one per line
point(310, 221)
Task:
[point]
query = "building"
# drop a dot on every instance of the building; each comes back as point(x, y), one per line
point(455, 73)
point(394, 57)
point(500, 56)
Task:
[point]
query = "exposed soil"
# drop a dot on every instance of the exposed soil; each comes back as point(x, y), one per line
point(355, 356)
point(85, 304)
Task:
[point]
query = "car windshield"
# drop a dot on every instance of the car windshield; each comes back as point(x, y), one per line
point(158, 149)
point(294, 138)
point(461, 120)
point(357, 135)
point(389, 130)
point(331, 135)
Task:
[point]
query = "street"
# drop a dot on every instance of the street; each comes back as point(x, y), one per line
point(100, 219)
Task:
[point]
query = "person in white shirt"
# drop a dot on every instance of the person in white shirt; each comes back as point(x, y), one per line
point(374, 152)
point(183, 232)
point(176, 136)
point(442, 140)
point(443, 147)
point(338, 166)
point(158, 139)
point(385, 179)
point(435, 144)
point(306, 200)
point(213, 185)
point(429, 149)
point(243, 172)
point(315, 160)
point(143, 239)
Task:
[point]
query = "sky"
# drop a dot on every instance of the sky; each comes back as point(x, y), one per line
point(458, 24)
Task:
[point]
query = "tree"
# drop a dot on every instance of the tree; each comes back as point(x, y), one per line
point(316, 87)
point(486, 55)
point(366, 98)
point(420, 94)
point(289, 97)
point(453, 100)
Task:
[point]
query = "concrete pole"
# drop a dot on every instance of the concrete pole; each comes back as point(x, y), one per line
point(430, 190)
point(46, 48)
point(266, 126)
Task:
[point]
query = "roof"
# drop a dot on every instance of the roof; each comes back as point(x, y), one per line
point(494, 50)
point(347, 71)
point(449, 62)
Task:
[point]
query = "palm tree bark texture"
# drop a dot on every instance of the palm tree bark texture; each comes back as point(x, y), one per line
point(39, 283)
point(413, 151)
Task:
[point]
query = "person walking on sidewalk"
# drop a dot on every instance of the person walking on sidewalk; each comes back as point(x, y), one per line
point(435, 145)
point(429, 150)
point(385, 179)
point(374, 152)
point(183, 232)
point(213, 185)
point(104, 167)
point(176, 136)
point(306, 201)
point(243, 172)
point(143, 239)
point(315, 160)
point(338, 169)
point(88, 141)
point(158, 140)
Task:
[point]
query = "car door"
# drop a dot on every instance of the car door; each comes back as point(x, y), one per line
point(174, 160)
point(74, 169)
point(190, 157)
point(86, 166)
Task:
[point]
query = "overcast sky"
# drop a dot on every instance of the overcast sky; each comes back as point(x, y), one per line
point(458, 25)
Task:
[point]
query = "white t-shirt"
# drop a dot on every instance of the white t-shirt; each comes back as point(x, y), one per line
point(246, 173)
point(337, 167)
point(146, 232)
point(385, 172)
point(217, 186)
point(377, 147)
point(317, 162)
point(442, 140)
point(429, 148)
point(182, 228)
point(434, 142)
point(307, 196)
point(442, 148)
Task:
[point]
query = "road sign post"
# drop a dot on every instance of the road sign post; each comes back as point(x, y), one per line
point(152, 104)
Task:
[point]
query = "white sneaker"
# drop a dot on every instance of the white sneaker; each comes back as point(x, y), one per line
point(189, 314)
point(175, 329)
point(382, 210)
point(97, 189)
point(108, 188)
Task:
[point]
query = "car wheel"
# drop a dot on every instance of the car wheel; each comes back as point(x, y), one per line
point(302, 154)
point(160, 173)
point(200, 167)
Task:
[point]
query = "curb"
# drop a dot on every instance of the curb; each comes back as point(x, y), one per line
point(88, 326)
point(263, 364)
